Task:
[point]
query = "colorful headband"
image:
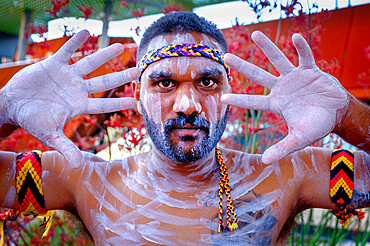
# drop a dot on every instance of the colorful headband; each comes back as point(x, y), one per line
point(176, 50)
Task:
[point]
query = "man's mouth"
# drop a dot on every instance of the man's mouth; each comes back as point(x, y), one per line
point(187, 127)
point(187, 131)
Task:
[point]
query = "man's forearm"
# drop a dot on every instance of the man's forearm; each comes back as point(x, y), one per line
point(355, 125)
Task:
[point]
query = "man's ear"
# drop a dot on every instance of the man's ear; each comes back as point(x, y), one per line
point(136, 89)
point(230, 79)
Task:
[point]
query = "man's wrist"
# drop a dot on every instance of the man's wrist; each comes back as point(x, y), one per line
point(354, 123)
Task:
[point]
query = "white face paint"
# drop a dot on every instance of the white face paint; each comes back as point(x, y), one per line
point(183, 104)
point(183, 64)
point(183, 38)
point(198, 106)
point(210, 42)
point(157, 42)
point(212, 106)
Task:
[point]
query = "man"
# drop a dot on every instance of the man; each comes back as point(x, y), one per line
point(170, 195)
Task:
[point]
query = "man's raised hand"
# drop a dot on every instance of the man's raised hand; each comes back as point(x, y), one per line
point(311, 102)
point(42, 97)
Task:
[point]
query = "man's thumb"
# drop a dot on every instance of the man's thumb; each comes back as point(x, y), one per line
point(288, 145)
point(67, 148)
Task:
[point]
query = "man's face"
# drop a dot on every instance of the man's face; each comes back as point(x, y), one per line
point(180, 100)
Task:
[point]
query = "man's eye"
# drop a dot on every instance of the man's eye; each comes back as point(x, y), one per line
point(165, 84)
point(207, 82)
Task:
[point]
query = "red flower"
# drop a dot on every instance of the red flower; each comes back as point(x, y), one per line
point(290, 8)
point(57, 6)
point(172, 7)
point(137, 14)
point(124, 3)
point(87, 11)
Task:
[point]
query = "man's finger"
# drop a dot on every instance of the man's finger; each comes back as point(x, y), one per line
point(70, 47)
point(106, 105)
point(250, 71)
point(112, 80)
point(288, 145)
point(273, 53)
point(67, 148)
point(256, 102)
point(305, 56)
point(95, 60)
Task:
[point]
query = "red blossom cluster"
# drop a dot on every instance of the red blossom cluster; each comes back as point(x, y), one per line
point(57, 6)
point(124, 3)
point(137, 13)
point(172, 7)
point(64, 231)
point(90, 46)
point(131, 140)
point(41, 31)
point(290, 7)
point(259, 5)
point(364, 77)
point(86, 11)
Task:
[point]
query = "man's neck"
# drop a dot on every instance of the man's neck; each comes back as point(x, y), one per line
point(201, 171)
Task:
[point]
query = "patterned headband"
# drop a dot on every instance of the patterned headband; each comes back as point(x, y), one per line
point(176, 50)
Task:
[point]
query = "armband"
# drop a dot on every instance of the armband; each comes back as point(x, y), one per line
point(28, 183)
point(341, 185)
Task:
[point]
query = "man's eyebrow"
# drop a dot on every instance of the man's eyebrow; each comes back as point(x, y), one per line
point(160, 75)
point(215, 72)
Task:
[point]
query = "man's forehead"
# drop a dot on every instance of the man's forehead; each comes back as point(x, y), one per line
point(175, 38)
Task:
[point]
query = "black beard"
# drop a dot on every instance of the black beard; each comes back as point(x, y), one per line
point(161, 136)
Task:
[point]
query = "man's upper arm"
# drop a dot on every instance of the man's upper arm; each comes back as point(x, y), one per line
point(316, 181)
point(55, 186)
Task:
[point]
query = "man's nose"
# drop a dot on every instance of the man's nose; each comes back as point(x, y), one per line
point(186, 102)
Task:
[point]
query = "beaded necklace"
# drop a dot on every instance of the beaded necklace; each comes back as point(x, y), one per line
point(224, 188)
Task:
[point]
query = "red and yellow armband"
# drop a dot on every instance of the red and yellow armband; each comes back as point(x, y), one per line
point(28, 183)
point(341, 185)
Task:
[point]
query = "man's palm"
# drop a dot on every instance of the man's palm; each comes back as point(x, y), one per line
point(42, 97)
point(309, 100)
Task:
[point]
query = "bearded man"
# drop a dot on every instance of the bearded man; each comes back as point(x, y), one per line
point(186, 191)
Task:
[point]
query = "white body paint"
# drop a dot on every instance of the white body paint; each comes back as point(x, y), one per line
point(150, 202)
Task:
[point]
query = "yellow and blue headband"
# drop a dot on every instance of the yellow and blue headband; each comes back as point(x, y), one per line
point(176, 50)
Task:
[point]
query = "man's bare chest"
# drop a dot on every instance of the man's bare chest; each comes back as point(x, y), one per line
point(135, 212)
